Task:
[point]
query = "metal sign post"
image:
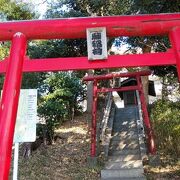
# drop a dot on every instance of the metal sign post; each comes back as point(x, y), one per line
point(16, 157)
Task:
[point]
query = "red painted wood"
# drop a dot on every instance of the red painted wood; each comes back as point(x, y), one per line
point(81, 63)
point(150, 138)
point(139, 25)
point(93, 126)
point(175, 41)
point(128, 88)
point(9, 102)
point(116, 75)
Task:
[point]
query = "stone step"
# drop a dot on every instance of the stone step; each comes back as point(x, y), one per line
point(130, 125)
point(122, 173)
point(123, 137)
point(138, 178)
point(124, 164)
point(126, 152)
point(124, 124)
point(120, 128)
point(121, 146)
point(115, 157)
point(126, 110)
point(126, 121)
point(125, 133)
point(125, 141)
point(126, 114)
point(117, 137)
point(119, 118)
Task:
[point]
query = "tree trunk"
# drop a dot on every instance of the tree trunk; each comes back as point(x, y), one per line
point(145, 83)
point(26, 150)
point(164, 89)
point(145, 79)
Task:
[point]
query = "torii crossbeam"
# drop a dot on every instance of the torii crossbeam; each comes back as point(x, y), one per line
point(22, 31)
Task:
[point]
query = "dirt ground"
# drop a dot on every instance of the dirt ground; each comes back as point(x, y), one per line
point(64, 160)
point(167, 168)
point(67, 158)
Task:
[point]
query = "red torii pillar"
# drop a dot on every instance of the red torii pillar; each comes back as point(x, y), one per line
point(9, 101)
point(148, 129)
point(137, 76)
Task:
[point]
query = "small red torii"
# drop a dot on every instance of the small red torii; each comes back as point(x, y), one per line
point(96, 90)
point(20, 32)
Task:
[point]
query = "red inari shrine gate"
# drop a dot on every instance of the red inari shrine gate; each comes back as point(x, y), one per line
point(17, 62)
point(138, 87)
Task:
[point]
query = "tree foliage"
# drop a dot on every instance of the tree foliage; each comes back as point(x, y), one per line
point(153, 6)
point(10, 10)
point(77, 8)
point(165, 117)
point(64, 92)
point(57, 48)
point(156, 43)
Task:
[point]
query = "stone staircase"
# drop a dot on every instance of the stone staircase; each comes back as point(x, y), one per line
point(124, 158)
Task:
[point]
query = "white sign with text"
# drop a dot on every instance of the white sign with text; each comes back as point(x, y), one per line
point(25, 129)
point(97, 43)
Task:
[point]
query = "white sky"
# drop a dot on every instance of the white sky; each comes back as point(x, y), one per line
point(40, 6)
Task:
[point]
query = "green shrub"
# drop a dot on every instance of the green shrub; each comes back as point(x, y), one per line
point(165, 116)
point(61, 101)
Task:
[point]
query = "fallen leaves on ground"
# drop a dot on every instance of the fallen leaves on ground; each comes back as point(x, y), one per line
point(168, 169)
point(64, 160)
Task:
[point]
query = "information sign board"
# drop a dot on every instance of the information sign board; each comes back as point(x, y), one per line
point(25, 129)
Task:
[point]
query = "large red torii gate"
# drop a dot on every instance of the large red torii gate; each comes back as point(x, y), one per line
point(22, 31)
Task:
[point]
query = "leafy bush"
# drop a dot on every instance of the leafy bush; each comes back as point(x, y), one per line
point(165, 117)
point(64, 92)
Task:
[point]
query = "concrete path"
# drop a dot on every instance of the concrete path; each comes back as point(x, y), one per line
point(124, 159)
